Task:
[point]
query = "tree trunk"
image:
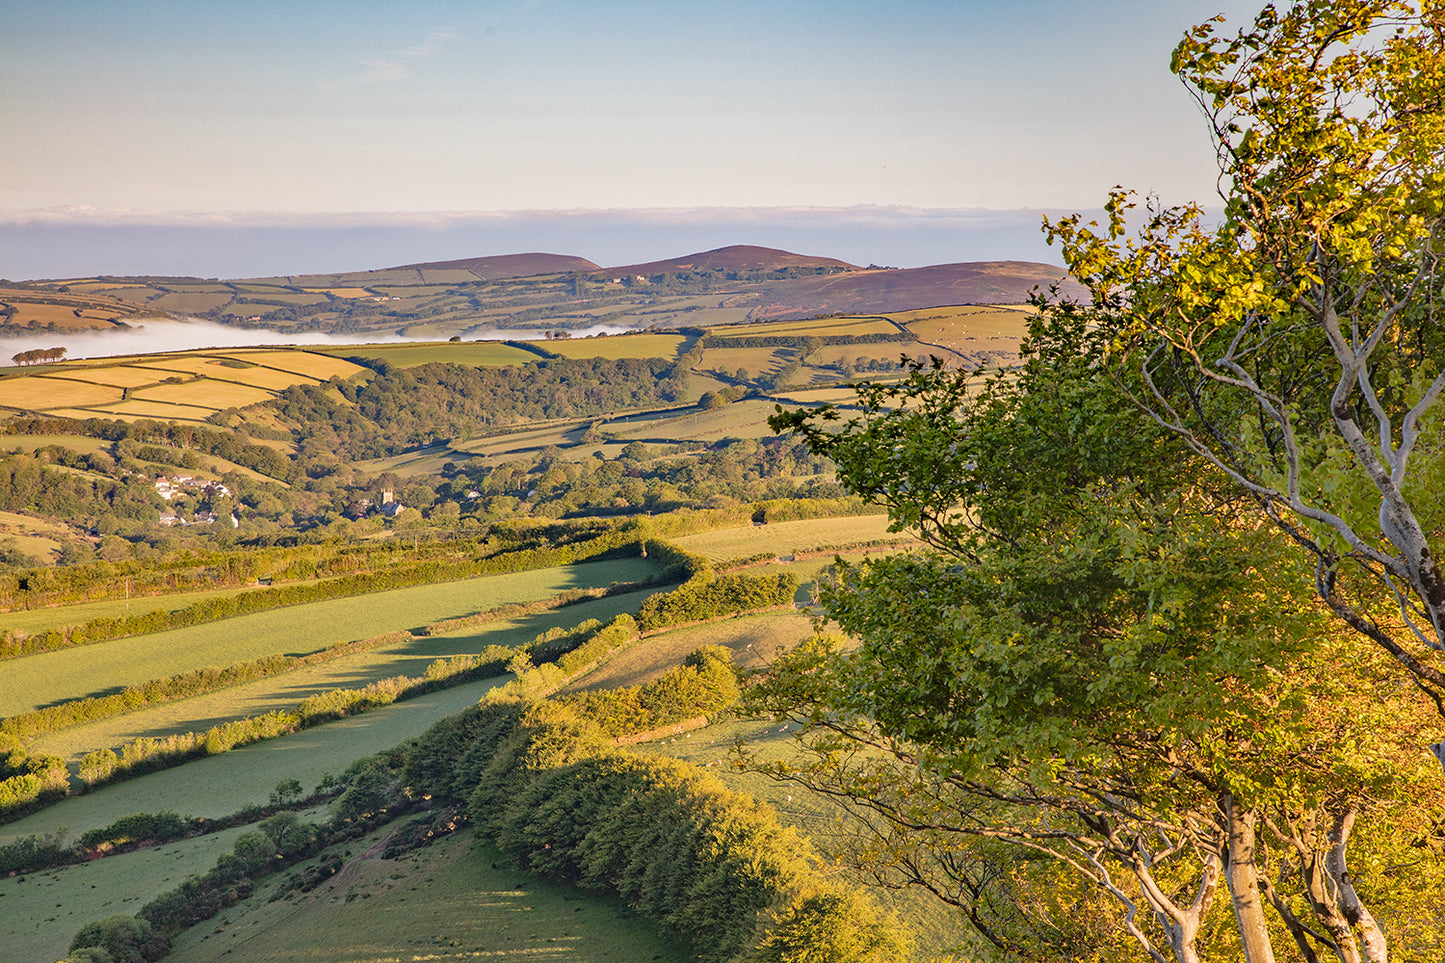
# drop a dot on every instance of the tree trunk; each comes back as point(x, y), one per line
point(1346, 898)
point(1242, 874)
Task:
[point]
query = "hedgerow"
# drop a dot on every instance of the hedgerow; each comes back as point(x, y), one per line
point(429, 572)
point(711, 866)
point(706, 683)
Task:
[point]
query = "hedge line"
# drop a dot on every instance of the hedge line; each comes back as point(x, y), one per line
point(237, 567)
point(713, 340)
point(709, 596)
point(542, 783)
point(361, 583)
point(210, 679)
point(711, 866)
point(573, 649)
point(705, 684)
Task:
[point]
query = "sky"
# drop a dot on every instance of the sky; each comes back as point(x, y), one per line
point(251, 137)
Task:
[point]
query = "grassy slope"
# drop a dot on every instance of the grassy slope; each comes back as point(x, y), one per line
point(39, 680)
point(443, 903)
point(938, 930)
point(284, 691)
point(40, 912)
point(219, 785)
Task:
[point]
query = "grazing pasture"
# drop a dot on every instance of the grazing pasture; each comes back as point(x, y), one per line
point(280, 692)
point(480, 354)
point(50, 677)
point(40, 912)
point(446, 902)
point(785, 538)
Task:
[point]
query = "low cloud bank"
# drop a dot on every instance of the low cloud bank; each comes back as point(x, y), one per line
point(81, 242)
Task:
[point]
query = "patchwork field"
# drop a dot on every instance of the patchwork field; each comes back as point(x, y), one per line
point(200, 713)
point(49, 677)
point(189, 387)
point(480, 354)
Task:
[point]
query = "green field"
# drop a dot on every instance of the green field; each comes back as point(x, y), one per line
point(411, 659)
point(442, 903)
point(33, 621)
point(219, 785)
point(785, 538)
point(477, 353)
point(621, 346)
point(42, 911)
point(49, 677)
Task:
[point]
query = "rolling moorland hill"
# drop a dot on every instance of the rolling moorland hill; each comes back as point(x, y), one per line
point(878, 291)
point(735, 257)
point(508, 265)
point(525, 294)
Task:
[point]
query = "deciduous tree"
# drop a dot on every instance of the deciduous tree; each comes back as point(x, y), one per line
point(1297, 343)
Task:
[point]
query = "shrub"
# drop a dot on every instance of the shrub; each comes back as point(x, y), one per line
point(120, 936)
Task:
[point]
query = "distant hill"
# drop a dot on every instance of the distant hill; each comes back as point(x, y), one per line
point(522, 294)
point(503, 266)
point(736, 257)
point(903, 289)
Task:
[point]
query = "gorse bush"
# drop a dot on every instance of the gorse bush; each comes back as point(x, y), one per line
point(705, 684)
point(708, 596)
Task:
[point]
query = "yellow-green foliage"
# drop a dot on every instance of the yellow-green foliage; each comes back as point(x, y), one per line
point(704, 684)
point(708, 597)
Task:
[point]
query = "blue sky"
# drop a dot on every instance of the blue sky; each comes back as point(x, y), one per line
point(512, 122)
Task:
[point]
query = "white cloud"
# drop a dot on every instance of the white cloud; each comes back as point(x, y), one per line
point(864, 214)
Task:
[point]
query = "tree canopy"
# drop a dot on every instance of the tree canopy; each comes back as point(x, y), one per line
point(1114, 681)
point(1297, 344)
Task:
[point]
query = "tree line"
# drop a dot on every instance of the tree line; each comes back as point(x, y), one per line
point(38, 356)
